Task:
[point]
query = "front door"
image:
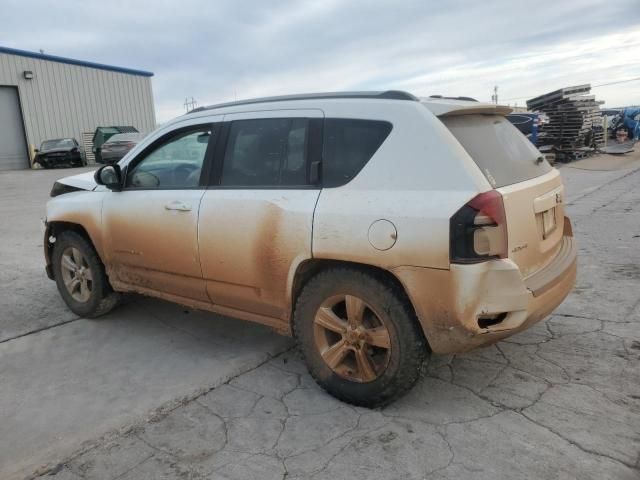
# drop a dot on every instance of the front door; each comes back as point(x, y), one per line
point(151, 226)
point(256, 219)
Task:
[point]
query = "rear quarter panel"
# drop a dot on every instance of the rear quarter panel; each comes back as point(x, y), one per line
point(417, 180)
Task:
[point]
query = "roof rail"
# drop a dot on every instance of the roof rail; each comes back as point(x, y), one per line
point(386, 95)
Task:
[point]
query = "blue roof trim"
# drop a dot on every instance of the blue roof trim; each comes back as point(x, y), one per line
point(71, 61)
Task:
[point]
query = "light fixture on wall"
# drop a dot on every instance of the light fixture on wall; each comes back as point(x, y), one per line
point(27, 74)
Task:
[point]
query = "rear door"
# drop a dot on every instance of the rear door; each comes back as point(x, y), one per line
point(257, 215)
point(531, 189)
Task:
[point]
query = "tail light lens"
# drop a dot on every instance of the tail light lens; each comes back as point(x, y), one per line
point(478, 231)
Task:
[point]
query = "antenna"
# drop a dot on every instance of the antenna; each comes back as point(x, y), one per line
point(190, 104)
point(494, 97)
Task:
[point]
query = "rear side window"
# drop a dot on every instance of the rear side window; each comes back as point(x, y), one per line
point(347, 147)
point(266, 152)
point(504, 155)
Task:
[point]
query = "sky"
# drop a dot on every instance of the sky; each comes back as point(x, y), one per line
point(217, 51)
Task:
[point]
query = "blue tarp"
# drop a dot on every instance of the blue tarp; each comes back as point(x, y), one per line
point(631, 120)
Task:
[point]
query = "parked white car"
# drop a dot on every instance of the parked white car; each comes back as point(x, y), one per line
point(374, 227)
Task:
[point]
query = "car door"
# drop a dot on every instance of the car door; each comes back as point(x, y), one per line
point(151, 226)
point(256, 218)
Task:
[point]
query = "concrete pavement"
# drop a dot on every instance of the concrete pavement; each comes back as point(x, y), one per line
point(561, 400)
point(66, 382)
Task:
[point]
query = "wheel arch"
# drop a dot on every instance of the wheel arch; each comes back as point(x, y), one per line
point(313, 266)
point(52, 230)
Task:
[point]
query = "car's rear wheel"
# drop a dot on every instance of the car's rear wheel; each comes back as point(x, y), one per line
point(359, 336)
point(80, 276)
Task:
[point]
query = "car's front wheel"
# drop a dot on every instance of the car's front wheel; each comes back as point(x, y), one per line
point(80, 276)
point(359, 335)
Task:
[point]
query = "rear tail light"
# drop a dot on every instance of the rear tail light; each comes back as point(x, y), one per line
point(478, 231)
point(130, 144)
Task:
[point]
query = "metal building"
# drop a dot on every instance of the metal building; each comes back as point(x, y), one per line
point(45, 97)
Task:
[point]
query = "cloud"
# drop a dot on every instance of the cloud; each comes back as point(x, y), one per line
point(217, 51)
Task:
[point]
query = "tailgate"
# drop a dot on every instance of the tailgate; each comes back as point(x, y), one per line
point(531, 189)
point(535, 219)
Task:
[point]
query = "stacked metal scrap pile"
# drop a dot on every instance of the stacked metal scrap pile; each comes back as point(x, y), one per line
point(575, 126)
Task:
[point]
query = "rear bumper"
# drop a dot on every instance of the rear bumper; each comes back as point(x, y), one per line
point(449, 303)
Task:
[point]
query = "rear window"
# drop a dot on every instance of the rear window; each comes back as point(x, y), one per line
point(125, 137)
point(504, 155)
point(347, 146)
point(266, 152)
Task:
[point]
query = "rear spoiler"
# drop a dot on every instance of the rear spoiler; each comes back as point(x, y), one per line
point(449, 107)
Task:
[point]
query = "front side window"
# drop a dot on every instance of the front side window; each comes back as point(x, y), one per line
point(347, 146)
point(266, 152)
point(176, 163)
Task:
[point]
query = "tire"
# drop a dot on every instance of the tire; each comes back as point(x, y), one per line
point(90, 295)
point(391, 372)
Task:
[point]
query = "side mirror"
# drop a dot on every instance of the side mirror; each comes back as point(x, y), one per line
point(110, 176)
point(203, 137)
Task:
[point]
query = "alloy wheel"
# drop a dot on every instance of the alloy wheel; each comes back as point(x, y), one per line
point(76, 274)
point(351, 338)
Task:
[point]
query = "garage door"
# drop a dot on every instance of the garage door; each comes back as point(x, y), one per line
point(13, 151)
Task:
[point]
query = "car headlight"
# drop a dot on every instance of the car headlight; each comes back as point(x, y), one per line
point(60, 189)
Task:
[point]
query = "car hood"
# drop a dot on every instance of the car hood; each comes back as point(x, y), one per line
point(84, 181)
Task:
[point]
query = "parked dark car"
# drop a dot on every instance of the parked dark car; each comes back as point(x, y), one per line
point(103, 134)
point(117, 146)
point(60, 152)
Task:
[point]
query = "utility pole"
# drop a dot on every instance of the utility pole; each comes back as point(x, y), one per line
point(494, 97)
point(190, 104)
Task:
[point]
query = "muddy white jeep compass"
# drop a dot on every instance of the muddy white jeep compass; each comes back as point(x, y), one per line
point(373, 227)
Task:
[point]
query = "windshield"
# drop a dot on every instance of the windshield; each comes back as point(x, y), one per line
point(60, 143)
point(504, 155)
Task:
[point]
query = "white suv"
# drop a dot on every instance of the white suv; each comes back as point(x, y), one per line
point(374, 227)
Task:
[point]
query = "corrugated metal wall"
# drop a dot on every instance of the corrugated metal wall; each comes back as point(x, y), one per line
point(65, 100)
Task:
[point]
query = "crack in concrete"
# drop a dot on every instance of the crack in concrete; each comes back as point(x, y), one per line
point(42, 329)
point(576, 444)
point(443, 435)
point(155, 415)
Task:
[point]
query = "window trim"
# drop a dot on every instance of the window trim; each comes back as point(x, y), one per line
point(215, 177)
point(165, 139)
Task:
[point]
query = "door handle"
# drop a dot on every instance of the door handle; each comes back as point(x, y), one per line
point(178, 205)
